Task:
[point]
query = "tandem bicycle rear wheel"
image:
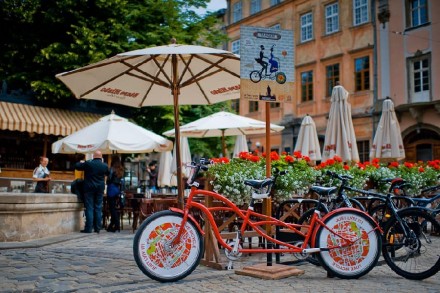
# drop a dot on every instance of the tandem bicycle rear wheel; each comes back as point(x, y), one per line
point(357, 259)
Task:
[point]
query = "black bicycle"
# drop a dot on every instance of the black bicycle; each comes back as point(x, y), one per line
point(410, 244)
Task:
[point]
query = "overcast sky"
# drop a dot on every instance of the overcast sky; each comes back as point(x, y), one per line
point(213, 5)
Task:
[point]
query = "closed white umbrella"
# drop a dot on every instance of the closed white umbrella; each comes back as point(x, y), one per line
point(240, 146)
point(340, 138)
point(387, 142)
point(307, 142)
point(185, 154)
point(164, 173)
point(110, 134)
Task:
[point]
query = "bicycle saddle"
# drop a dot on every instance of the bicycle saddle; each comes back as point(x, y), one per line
point(258, 183)
point(322, 190)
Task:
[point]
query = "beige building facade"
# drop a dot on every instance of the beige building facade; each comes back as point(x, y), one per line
point(334, 42)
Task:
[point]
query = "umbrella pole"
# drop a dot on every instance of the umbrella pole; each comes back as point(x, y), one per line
point(223, 143)
point(267, 201)
point(176, 92)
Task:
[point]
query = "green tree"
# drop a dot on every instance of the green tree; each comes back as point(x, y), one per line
point(51, 36)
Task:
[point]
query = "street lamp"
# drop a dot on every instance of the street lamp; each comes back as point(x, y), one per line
point(249, 145)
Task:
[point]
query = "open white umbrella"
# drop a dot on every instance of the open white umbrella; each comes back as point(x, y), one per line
point(340, 138)
point(307, 142)
point(223, 124)
point(165, 75)
point(387, 142)
point(240, 146)
point(110, 134)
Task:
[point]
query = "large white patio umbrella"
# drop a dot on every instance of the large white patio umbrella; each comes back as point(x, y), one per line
point(223, 124)
point(340, 138)
point(112, 134)
point(164, 173)
point(307, 142)
point(387, 142)
point(165, 75)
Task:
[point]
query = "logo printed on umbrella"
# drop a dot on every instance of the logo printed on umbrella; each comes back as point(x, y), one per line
point(119, 92)
point(89, 146)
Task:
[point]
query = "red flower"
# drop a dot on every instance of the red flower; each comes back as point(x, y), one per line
point(289, 159)
point(274, 156)
point(421, 170)
point(408, 165)
point(254, 159)
point(284, 153)
point(297, 154)
point(330, 162)
point(360, 165)
point(375, 161)
point(393, 164)
point(346, 167)
point(337, 159)
point(306, 158)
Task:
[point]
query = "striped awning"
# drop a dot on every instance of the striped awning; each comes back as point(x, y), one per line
point(42, 120)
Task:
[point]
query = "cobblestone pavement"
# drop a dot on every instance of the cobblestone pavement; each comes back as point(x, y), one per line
point(104, 263)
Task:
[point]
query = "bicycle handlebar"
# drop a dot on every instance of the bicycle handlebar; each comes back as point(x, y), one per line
point(340, 177)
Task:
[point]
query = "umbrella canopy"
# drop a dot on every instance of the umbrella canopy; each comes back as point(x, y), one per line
point(307, 142)
point(223, 124)
point(165, 75)
point(387, 142)
point(110, 134)
point(240, 146)
point(340, 138)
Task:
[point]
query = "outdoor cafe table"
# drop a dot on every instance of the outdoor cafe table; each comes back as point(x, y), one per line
point(143, 207)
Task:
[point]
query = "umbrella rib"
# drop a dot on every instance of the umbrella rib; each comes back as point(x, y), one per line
point(186, 66)
point(196, 81)
point(200, 76)
point(220, 67)
point(86, 68)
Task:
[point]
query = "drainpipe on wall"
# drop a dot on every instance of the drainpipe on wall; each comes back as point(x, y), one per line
point(375, 79)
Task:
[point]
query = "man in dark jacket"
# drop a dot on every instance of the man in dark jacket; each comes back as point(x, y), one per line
point(94, 183)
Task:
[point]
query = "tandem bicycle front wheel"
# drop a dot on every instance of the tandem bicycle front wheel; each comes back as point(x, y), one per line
point(155, 254)
point(357, 259)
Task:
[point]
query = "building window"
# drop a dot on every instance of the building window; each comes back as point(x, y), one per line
point(235, 105)
point(307, 86)
point(276, 26)
point(274, 2)
point(235, 47)
point(331, 18)
point(236, 12)
point(306, 27)
point(420, 75)
point(364, 150)
point(253, 106)
point(360, 12)
point(255, 6)
point(418, 12)
point(332, 78)
point(362, 73)
point(274, 105)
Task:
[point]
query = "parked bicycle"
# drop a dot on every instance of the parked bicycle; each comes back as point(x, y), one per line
point(409, 247)
point(168, 246)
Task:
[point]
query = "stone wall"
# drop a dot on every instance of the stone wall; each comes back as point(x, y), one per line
point(25, 216)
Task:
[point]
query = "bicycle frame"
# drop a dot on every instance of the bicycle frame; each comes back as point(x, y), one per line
point(257, 226)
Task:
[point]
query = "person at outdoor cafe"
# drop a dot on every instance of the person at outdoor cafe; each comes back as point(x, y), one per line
point(42, 176)
point(114, 188)
point(94, 184)
point(152, 174)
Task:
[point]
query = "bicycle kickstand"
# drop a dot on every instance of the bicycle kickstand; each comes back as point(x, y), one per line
point(234, 254)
